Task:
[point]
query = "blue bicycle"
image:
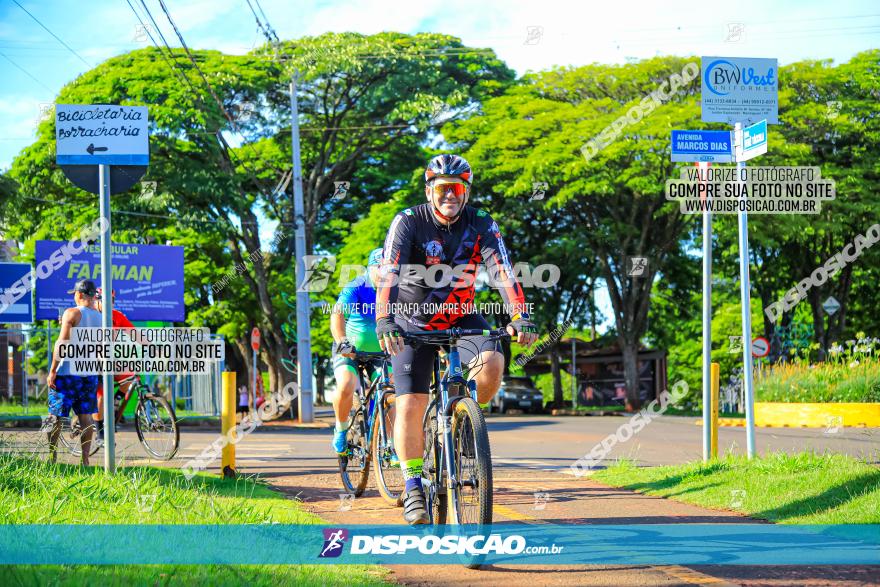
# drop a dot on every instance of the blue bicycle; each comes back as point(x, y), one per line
point(457, 472)
point(370, 432)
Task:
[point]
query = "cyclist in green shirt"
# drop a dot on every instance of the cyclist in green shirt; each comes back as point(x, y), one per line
point(353, 326)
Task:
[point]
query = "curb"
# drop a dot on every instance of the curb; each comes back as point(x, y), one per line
point(570, 412)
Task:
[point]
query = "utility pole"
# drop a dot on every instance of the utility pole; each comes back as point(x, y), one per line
point(107, 320)
point(303, 333)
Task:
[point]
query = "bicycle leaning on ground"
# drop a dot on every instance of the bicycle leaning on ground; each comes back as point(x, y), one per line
point(154, 420)
point(457, 470)
point(370, 432)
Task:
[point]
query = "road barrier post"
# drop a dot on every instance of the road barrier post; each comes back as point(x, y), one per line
point(716, 388)
point(227, 423)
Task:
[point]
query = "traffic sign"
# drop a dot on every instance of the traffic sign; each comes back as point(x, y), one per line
point(15, 295)
point(702, 146)
point(751, 141)
point(739, 89)
point(255, 339)
point(760, 347)
point(831, 305)
point(101, 134)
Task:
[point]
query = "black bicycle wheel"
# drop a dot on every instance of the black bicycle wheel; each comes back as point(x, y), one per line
point(436, 494)
point(71, 437)
point(156, 426)
point(473, 464)
point(354, 466)
point(389, 477)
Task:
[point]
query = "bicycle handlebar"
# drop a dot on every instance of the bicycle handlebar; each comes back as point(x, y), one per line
point(369, 356)
point(451, 334)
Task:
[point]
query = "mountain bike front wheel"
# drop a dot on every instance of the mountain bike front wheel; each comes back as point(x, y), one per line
point(389, 476)
point(472, 460)
point(156, 426)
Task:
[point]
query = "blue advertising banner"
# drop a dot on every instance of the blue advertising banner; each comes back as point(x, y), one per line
point(14, 308)
point(546, 544)
point(148, 280)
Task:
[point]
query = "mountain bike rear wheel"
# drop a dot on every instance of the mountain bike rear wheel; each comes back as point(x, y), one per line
point(156, 426)
point(354, 466)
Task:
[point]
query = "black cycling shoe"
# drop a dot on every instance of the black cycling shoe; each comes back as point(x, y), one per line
point(415, 509)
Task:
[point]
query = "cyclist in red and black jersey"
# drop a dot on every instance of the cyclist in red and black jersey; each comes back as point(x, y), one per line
point(429, 267)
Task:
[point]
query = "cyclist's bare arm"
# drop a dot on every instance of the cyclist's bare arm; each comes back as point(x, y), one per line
point(337, 326)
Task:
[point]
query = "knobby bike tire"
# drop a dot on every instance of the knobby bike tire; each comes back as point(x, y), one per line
point(473, 464)
point(354, 479)
point(389, 477)
point(141, 419)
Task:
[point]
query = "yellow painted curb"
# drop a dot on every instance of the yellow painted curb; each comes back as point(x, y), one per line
point(816, 415)
point(724, 422)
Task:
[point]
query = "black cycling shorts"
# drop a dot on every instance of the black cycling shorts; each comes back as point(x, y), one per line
point(413, 367)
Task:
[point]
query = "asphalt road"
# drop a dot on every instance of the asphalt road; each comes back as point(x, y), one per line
point(534, 485)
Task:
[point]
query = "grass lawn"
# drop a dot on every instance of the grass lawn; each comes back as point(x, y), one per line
point(806, 488)
point(36, 492)
point(37, 408)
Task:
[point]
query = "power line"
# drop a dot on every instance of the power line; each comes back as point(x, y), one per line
point(266, 28)
point(266, 19)
point(196, 66)
point(26, 72)
point(57, 38)
point(198, 95)
point(210, 89)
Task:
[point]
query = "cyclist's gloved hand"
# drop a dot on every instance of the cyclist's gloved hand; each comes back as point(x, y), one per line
point(522, 327)
point(389, 334)
point(344, 348)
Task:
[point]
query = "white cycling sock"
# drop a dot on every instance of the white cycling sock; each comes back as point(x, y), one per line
point(341, 426)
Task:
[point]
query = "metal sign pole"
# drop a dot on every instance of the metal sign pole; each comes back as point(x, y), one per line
point(574, 400)
point(255, 381)
point(107, 318)
point(745, 300)
point(707, 323)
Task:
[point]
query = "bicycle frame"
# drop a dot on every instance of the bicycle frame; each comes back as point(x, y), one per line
point(133, 384)
point(447, 390)
point(368, 394)
point(451, 379)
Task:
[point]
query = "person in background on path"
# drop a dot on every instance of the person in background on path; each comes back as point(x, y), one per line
point(243, 406)
point(68, 391)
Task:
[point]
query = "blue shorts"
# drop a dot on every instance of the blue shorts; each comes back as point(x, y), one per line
point(73, 391)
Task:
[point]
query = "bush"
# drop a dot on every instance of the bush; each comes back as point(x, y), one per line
point(851, 374)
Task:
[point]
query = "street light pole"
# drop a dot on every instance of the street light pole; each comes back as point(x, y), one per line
point(303, 334)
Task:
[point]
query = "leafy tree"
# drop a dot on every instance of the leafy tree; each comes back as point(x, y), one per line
point(828, 118)
point(612, 206)
point(366, 105)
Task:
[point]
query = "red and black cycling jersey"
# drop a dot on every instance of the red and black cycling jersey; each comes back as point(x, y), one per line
point(417, 240)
